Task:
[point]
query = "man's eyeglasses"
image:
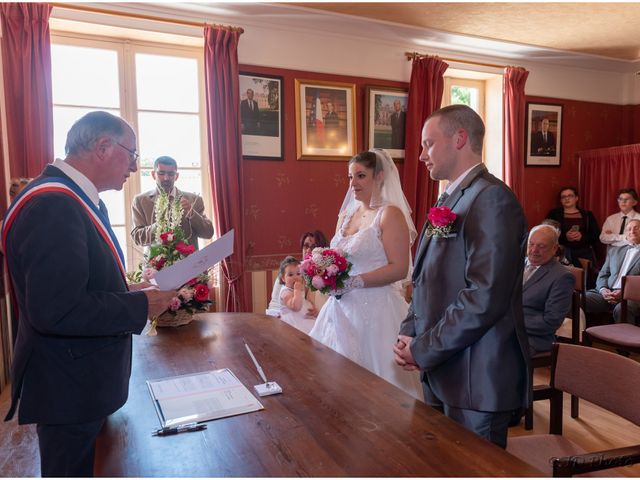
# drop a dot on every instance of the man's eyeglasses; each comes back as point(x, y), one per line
point(625, 199)
point(133, 155)
point(166, 173)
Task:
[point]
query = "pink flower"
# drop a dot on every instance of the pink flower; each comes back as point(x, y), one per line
point(175, 304)
point(332, 270)
point(201, 292)
point(185, 293)
point(441, 216)
point(185, 249)
point(317, 282)
point(167, 237)
point(148, 273)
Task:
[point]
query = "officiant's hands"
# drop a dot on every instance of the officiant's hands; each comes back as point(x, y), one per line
point(134, 287)
point(403, 355)
point(158, 301)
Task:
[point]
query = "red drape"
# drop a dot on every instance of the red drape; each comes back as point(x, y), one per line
point(225, 152)
point(425, 96)
point(26, 61)
point(603, 172)
point(514, 106)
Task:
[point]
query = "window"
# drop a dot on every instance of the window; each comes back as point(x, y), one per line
point(464, 91)
point(157, 89)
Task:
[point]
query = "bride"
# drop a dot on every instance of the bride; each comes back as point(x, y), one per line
point(376, 231)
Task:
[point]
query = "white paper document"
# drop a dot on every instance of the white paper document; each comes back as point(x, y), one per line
point(176, 275)
point(200, 397)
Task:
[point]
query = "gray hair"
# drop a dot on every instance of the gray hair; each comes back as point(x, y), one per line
point(83, 134)
point(546, 226)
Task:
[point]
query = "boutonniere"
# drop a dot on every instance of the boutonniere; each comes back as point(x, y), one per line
point(440, 221)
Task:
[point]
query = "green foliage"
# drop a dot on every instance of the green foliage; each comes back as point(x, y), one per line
point(460, 96)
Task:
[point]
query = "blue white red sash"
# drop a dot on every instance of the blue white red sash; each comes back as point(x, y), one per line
point(66, 186)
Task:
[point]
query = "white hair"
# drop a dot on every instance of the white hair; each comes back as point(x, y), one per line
point(551, 228)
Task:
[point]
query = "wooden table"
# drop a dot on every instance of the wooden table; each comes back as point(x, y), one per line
point(334, 418)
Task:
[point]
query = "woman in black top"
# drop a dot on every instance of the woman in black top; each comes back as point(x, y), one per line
point(579, 230)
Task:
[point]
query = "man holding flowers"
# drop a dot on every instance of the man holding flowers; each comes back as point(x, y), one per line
point(465, 327)
point(193, 221)
point(72, 356)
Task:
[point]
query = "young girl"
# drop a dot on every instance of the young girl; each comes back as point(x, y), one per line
point(296, 310)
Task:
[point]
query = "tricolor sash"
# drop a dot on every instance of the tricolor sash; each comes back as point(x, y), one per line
point(63, 185)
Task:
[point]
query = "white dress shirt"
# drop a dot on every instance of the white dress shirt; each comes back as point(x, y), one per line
point(80, 179)
point(613, 223)
point(452, 185)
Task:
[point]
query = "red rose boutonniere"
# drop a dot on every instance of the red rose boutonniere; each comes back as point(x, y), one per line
point(440, 221)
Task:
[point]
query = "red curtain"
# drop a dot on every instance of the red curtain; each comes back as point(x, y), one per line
point(425, 96)
point(26, 60)
point(225, 152)
point(603, 172)
point(514, 106)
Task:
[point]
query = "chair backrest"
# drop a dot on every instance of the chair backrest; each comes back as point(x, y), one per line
point(610, 381)
point(587, 266)
point(631, 288)
point(578, 273)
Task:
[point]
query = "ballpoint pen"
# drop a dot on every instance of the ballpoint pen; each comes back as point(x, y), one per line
point(187, 427)
point(255, 362)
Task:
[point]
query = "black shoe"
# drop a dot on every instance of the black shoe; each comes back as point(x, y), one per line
point(516, 417)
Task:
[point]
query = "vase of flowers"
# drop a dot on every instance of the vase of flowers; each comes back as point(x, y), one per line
point(170, 246)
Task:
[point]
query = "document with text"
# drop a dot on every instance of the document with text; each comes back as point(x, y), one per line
point(200, 397)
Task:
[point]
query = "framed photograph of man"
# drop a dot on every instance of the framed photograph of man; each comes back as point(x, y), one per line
point(261, 117)
point(543, 135)
point(385, 119)
point(325, 120)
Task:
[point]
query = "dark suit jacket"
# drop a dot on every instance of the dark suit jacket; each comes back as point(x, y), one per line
point(612, 265)
point(72, 357)
point(144, 219)
point(466, 310)
point(546, 300)
point(397, 129)
point(250, 118)
point(540, 147)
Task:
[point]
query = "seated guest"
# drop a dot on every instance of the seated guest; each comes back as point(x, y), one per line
point(614, 226)
point(547, 288)
point(16, 185)
point(620, 261)
point(579, 230)
point(194, 223)
point(308, 242)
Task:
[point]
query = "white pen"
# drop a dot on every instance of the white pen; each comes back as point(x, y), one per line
point(255, 362)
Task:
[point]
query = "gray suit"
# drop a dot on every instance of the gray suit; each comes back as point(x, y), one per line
point(466, 311)
point(606, 279)
point(546, 300)
point(144, 219)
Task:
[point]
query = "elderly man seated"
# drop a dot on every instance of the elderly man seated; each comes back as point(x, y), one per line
point(547, 289)
point(620, 261)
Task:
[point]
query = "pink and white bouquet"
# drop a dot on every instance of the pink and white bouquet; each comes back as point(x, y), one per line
point(325, 269)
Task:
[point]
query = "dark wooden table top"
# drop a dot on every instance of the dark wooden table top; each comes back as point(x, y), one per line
point(334, 418)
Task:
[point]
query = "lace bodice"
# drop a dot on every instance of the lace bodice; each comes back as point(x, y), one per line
point(364, 248)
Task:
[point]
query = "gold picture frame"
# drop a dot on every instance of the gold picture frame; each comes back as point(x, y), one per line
point(325, 120)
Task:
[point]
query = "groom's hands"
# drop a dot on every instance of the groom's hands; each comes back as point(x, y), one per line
point(403, 356)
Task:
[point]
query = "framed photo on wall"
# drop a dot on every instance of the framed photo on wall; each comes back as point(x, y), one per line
point(261, 118)
point(385, 119)
point(543, 135)
point(325, 120)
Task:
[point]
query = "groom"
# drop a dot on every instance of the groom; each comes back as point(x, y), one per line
point(465, 327)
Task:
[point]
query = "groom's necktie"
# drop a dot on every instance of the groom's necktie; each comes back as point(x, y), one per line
point(442, 198)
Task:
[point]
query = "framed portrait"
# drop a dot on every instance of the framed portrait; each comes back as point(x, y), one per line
point(261, 118)
point(325, 120)
point(543, 135)
point(385, 119)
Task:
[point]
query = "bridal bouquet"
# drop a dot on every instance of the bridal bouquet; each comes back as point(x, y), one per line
point(170, 246)
point(325, 269)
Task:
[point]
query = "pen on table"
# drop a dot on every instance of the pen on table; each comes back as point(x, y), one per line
point(187, 427)
point(255, 362)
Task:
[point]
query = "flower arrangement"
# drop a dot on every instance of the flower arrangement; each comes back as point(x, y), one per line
point(440, 221)
point(325, 269)
point(169, 247)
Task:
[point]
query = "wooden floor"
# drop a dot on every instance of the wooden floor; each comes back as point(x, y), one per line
point(594, 430)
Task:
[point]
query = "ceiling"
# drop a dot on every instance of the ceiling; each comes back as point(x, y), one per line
point(606, 29)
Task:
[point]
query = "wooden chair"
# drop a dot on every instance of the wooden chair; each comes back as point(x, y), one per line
point(608, 380)
point(622, 336)
point(543, 359)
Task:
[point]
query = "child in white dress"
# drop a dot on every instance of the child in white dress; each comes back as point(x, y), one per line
point(296, 310)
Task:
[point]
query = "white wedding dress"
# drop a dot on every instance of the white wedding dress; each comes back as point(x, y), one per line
point(364, 324)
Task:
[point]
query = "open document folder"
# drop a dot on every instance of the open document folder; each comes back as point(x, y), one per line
point(200, 397)
point(176, 275)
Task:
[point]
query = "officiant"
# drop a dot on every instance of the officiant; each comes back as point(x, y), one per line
point(194, 224)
